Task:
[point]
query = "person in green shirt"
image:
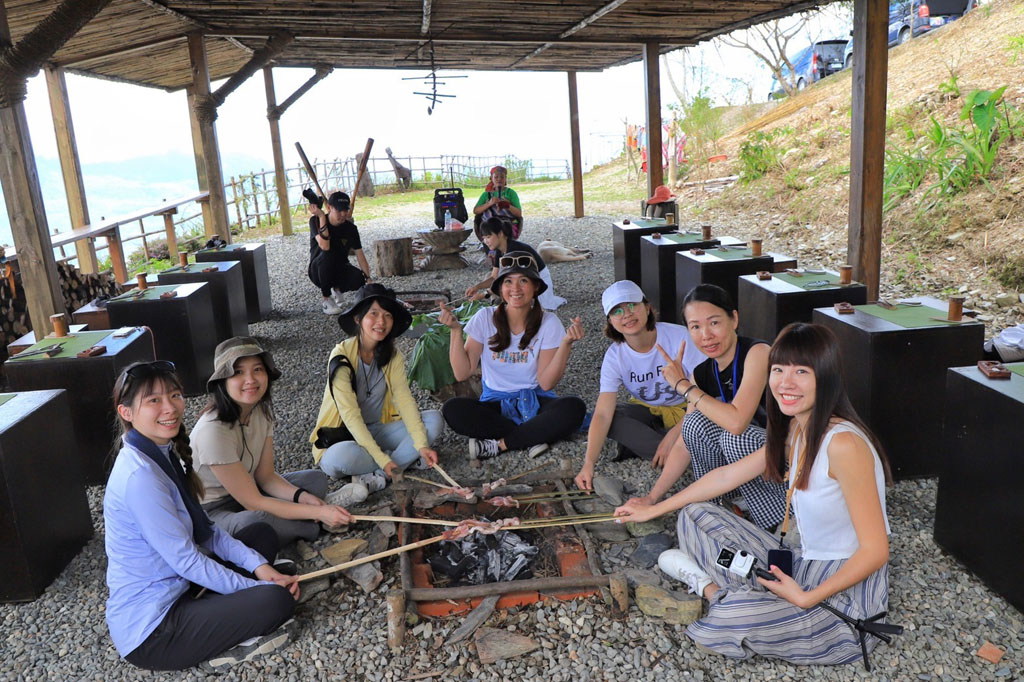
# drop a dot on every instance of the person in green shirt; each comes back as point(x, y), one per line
point(498, 200)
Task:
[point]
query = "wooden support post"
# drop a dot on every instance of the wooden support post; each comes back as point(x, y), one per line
point(197, 154)
point(652, 83)
point(71, 168)
point(396, 619)
point(204, 138)
point(172, 237)
point(116, 252)
point(574, 136)
point(867, 141)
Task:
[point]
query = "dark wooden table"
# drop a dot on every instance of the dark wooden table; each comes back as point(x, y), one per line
point(227, 291)
point(89, 383)
point(183, 326)
point(626, 244)
point(722, 267)
point(766, 306)
point(896, 377)
point(981, 478)
point(44, 512)
point(29, 339)
point(658, 268)
point(93, 316)
point(255, 274)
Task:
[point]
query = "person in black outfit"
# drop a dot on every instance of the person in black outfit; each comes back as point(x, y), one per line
point(496, 233)
point(331, 237)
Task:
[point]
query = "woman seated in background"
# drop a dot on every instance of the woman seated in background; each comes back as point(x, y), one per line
point(496, 234)
point(836, 474)
point(645, 426)
point(162, 549)
point(233, 446)
point(498, 201)
point(725, 414)
point(369, 426)
point(524, 359)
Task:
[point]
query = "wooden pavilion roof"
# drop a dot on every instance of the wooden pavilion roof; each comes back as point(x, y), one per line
point(143, 41)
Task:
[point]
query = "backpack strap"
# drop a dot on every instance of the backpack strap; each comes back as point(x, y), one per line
point(336, 363)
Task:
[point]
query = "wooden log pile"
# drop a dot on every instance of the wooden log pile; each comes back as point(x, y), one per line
point(78, 290)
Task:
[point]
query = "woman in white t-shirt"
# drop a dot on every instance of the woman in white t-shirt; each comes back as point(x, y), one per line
point(836, 474)
point(645, 426)
point(233, 451)
point(522, 351)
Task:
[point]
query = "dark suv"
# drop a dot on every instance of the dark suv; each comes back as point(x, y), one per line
point(811, 64)
point(911, 18)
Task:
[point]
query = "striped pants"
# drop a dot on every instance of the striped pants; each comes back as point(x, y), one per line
point(744, 619)
point(711, 446)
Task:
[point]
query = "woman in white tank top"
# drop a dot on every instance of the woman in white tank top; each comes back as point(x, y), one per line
point(836, 474)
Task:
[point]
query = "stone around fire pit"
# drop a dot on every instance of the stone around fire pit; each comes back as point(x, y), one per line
point(658, 603)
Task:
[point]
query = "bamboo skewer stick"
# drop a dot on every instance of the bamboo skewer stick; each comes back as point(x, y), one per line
point(554, 495)
point(405, 519)
point(446, 477)
point(555, 522)
point(525, 473)
point(425, 480)
point(368, 559)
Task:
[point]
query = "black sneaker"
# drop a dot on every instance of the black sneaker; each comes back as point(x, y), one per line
point(248, 650)
point(286, 567)
point(622, 452)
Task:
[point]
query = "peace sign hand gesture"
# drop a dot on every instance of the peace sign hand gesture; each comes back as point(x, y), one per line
point(673, 368)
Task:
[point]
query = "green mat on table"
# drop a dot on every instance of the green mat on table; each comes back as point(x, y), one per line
point(802, 282)
point(219, 265)
point(682, 237)
point(647, 222)
point(150, 294)
point(730, 254)
point(911, 316)
point(4, 397)
point(1015, 367)
point(230, 247)
point(71, 345)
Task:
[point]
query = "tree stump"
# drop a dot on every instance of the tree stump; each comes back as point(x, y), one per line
point(394, 256)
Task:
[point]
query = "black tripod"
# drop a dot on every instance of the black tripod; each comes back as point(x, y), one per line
point(865, 627)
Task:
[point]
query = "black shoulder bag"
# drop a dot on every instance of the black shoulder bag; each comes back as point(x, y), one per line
point(326, 436)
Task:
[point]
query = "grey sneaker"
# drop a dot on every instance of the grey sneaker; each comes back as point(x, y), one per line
point(537, 450)
point(348, 495)
point(483, 448)
point(373, 481)
point(338, 296)
point(248, 650)
point(330, 307)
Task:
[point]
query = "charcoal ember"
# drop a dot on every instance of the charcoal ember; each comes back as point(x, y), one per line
point(480, 558)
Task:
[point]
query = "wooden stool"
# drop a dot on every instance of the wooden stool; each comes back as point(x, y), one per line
point(44, 512)
point(255, 274)
point(445, 249)
point(394, 256)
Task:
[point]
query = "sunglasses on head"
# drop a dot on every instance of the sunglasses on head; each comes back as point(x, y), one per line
point(142, 370)
point(524, 261)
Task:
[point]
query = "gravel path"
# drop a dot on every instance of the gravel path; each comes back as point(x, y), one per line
point(947, 612)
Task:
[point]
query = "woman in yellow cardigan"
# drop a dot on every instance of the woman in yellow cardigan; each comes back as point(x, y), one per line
point(369, 426)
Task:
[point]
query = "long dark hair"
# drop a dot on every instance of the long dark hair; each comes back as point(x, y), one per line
point(135, 382)
point(813, 346)
point(616, 336)
point(710, 293)
point(225, 408)
point(383, 351)
point(503, 333)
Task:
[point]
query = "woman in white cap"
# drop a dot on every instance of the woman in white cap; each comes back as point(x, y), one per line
point(233, 448)
point(369, 426)
point(521, 350)
point(645, 425)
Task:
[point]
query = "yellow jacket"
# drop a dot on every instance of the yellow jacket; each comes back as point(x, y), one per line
point(399, 405)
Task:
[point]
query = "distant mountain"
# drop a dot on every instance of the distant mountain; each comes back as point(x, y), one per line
point(124, 187)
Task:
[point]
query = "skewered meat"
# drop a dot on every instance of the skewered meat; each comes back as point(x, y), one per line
point(488, 488)
point(483, 527)
point(503, 501)
point(459, 491)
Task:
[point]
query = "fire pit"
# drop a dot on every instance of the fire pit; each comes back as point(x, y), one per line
point(564, 565)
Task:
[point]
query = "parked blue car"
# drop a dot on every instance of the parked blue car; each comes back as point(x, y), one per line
point(912, 18)
point(810, 65)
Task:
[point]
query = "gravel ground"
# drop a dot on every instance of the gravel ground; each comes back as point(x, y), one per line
point(947, 612)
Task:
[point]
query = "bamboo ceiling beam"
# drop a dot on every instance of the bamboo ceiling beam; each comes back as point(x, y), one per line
point(425, 26)
point(193, 22)
point(760, 18)
point(119, 51)
point(222, 32)
point(322, 72)
point(614, 4)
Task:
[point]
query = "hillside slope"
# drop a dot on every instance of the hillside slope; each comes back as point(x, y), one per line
point(973, 241)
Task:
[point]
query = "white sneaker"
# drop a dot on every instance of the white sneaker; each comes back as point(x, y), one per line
point(330, 307)
point(348, 495)
point(373, 481)
point(677, 564)
point(537, 450)
point(483, 448)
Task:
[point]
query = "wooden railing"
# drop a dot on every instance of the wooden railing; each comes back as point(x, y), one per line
point(110, 230)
